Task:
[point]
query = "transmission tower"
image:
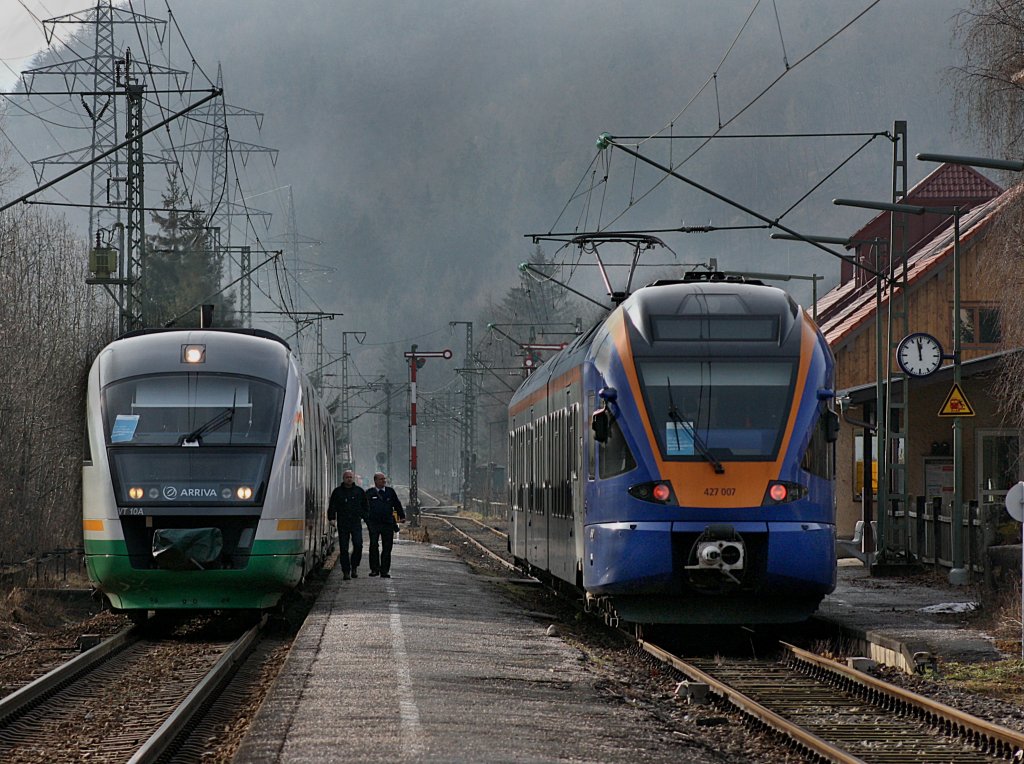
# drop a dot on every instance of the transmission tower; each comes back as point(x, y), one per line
point(221, 207)
point(468, 413)
point(99, 70)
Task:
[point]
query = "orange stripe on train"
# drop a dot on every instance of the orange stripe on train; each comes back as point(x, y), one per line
point(695, 483)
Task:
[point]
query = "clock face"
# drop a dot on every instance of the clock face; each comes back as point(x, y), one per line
point(919, 354)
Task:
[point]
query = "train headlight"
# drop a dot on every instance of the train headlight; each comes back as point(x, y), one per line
point(244, 492)
point(660, 492)
point(193, 353)
point(135, 493)
point(783, 492)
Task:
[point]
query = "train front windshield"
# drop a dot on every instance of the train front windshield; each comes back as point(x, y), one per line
point(183, 438)
point(728, 409)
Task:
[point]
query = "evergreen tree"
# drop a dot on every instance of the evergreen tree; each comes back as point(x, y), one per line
point(182, 268)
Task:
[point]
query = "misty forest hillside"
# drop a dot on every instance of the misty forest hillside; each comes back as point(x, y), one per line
point(422, 140)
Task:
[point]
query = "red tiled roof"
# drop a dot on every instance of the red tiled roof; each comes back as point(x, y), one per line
point(947, 183)
point(851, 307)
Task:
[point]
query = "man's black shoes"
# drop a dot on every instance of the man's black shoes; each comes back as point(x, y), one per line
point(374, 573)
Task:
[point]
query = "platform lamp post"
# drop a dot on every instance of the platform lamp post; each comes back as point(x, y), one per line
point(872, 431)
point(956, 573)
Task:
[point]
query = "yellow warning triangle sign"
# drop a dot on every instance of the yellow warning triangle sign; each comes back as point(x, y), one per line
point(956, 404)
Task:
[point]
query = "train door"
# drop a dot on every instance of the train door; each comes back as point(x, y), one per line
point(578, 477)
point(562, 551)
point(519, 500)
point(537, 532)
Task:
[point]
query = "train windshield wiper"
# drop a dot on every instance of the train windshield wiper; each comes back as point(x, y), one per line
point(698, 441)
point(194, 437)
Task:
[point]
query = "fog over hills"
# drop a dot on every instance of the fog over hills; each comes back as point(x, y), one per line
point(422, 140)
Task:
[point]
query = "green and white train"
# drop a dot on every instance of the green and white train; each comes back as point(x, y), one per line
point(209, 465)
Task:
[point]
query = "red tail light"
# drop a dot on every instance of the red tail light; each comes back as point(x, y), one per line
point(660, 492)
point(782, 492)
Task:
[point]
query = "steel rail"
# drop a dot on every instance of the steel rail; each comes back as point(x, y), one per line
point(800, 736)
point(485, 526)
point(24, 698)
point(160, 741)
point(1002, 741)
point(498, 558)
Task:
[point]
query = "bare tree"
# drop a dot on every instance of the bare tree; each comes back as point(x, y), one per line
point(989, 88)
point(50, 328)
point(989, 85)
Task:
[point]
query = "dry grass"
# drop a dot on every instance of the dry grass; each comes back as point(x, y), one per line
point(1001, 618)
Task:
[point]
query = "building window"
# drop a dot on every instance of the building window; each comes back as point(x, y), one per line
point(979, 325)
point(858, 466)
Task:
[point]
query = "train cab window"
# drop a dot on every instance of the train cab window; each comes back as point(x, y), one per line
point(613, 456)
point(161, 410)
point(731, 409)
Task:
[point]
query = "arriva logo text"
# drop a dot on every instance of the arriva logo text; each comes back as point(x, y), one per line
point(172, 493)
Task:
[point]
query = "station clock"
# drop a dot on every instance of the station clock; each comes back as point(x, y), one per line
point(919, 354)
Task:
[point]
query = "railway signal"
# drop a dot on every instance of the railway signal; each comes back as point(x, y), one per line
point(531, 359)
point(416, 360)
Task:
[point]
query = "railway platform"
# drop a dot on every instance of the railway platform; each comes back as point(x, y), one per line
point(435, 664)
point(906, 621)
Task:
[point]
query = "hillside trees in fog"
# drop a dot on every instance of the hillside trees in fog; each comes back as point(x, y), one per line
point(990, 98)
point(183, 267)
point(51, 325)
point(534, 310)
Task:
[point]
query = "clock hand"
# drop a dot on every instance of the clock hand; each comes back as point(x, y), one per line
point(920, 355)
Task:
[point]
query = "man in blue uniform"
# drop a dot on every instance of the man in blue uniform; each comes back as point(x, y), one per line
point(385, 512)
point(348, 508)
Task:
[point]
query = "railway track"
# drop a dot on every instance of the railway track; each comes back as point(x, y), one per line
point(828, 711)
point(488, 539)
point(837, 714)
point(131, 698)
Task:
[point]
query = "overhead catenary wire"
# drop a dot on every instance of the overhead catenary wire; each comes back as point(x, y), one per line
point(723, 123)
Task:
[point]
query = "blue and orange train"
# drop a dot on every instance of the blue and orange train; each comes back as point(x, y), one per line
point(675, 463)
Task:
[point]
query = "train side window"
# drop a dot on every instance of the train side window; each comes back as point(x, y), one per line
point(819, 458)
point(613, 456)
point(589, 444)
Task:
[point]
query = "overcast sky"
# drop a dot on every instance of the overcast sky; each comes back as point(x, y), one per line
point(22, 35)
point(419, 140)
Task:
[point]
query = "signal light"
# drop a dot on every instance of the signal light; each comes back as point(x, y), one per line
point(662, 492)
point(135, 493)
point(244, 492)
point(778, 492)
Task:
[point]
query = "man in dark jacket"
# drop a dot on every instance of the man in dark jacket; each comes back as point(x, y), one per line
point(382, 522)
point(348, 508)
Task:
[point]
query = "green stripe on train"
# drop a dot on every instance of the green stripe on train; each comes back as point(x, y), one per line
point(118, 547)
point(274, 568)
